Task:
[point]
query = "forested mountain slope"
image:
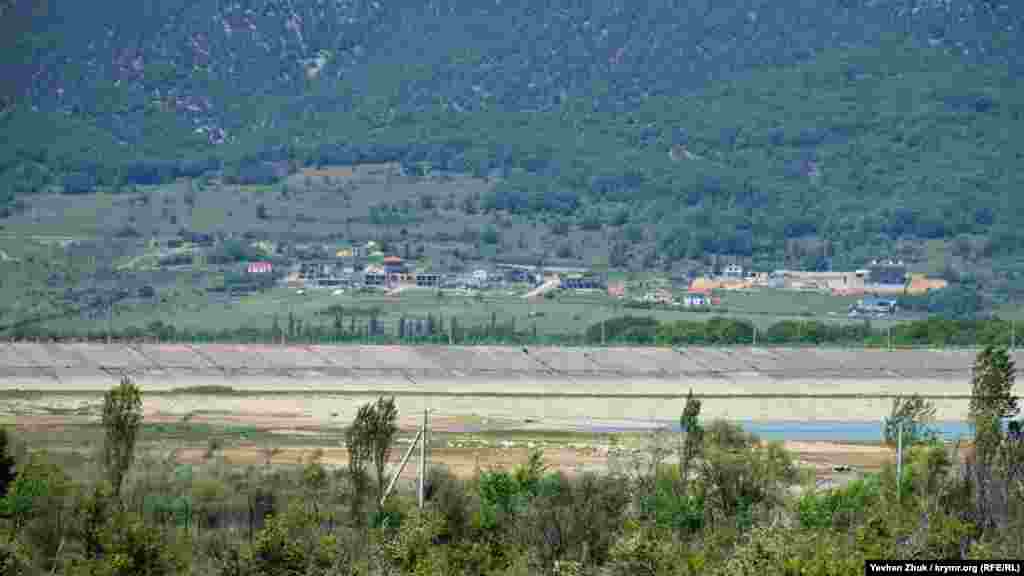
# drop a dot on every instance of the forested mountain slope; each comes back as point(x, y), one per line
point(728, 126)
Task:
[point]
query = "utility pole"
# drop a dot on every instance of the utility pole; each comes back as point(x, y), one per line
point(423, 458)
point(888, 331)
point(1013, 335)
point(110, 320)
point(755, 335)
point(899, 459)
point(405, 460)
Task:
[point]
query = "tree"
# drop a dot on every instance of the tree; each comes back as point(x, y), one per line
point(371, 436)
point(7, 463)
point(992, 401)
point(122, 414)
point(358, 453)
point(992, 398)
point(914, 413)
point(693, 439)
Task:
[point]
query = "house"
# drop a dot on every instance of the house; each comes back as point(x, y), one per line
point(888, 272)
point(259, 268)
point(733, 271)
point(581, 282)
point(428, 279)
point(757, 278)
point(617, 290)
point(394, 265)
point(519, 275)
point(696, 300)
point(480, 276)
point(874, 305)
point(374, 276)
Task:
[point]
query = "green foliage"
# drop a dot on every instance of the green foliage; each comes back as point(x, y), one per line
point(24, 496)
point(130, 547)
point(842, 130)
point(7, 463)
point(673, 508)
point(645, 552)
point(500, 495)
point(838, 508)
point(739, 473)
point(233, 250)
point(624, 329)
point(277, 551)
point(780, 552)
point(914, 414)
point(371, 436)
point(693, 435)
point(717, 330)
point(452, 499)
point(13, 560)
point(576, 523)
point(122, 415)
point(414, 551)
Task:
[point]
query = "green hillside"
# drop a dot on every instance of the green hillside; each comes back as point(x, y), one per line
point(734, 127)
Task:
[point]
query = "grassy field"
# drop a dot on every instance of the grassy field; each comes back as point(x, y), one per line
point(565, 314)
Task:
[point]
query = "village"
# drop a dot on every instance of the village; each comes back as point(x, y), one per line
point(367, 268)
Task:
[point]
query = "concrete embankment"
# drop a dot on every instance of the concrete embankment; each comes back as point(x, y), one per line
point(563, 387)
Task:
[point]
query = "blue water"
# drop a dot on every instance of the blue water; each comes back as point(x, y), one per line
point(842, 431)
point(824, 430)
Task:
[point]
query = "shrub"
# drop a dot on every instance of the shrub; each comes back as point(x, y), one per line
point(739, 473)
point(577, 523)
point(839, 508)
point(645, 552)
point(779, 552)
point(13, 560)
point(671, 508)
point(450, 497)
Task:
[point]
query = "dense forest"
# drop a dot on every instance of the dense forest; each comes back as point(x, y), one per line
point(729, 504)
point(726, 127)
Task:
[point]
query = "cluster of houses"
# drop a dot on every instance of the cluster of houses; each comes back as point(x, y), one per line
point(361, 267)
point(880, 277)
point(364, 266)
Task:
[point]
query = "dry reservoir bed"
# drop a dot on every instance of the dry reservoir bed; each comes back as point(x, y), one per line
point(299, 397)
point(552, 387)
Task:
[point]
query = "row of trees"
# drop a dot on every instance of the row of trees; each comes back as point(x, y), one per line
point(725, 506)
point(340, 325)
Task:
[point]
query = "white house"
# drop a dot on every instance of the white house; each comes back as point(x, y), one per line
point(694, 300)
point(733, 271)
point(480, 275)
